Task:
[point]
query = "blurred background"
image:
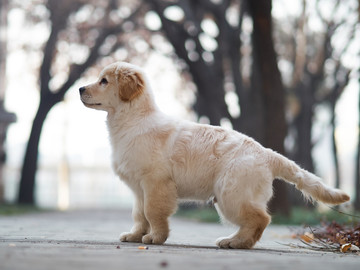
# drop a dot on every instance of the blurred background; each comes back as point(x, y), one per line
point(283, 72)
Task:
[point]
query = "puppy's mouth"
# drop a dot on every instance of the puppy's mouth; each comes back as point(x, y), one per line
point(90, 104)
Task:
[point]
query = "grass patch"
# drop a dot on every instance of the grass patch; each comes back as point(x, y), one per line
point(201, 214)
point(303, 216)
point(298, 216)
point(16, 209)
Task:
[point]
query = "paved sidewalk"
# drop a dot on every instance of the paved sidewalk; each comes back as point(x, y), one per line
point(89, 240)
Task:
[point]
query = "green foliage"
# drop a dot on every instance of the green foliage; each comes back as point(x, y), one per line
point(202, 214)
point(302, 216)
point(298, 216)
point(16, 209)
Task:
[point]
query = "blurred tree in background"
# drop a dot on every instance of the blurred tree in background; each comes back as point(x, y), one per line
point(6, 117)
point(357, 164)
point(80, 34)
point(265, 78)
point(313, 50)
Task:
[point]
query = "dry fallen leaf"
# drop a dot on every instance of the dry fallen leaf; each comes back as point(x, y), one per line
point(307, 237)
point(333, 237)
point(348, 247)
point(345, 247)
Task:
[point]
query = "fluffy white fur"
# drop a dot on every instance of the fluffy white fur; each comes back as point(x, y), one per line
point(163, 160)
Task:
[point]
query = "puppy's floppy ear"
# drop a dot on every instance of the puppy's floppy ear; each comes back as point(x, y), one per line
point(131, 84)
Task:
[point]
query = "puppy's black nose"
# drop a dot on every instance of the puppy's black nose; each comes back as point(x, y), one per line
point(81, 90)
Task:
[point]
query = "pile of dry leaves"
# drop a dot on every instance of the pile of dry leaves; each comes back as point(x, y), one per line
point(333, 237)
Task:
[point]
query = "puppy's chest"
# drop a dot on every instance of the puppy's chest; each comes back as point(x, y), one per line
point(130, 160)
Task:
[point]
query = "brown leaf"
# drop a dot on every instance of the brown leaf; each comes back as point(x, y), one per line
point(307, 237)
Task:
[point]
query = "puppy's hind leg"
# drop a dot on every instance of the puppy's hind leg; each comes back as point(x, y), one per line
point(160, 203)
point(242, 195)
point(252, 221)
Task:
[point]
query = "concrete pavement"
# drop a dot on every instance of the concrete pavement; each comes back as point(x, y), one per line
point(88, 239)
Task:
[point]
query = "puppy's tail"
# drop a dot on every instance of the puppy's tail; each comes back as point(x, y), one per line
point(309, 184)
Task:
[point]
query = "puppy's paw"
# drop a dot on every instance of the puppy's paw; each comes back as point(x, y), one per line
point(131, 237)
point(154, 238)
point(234, 242)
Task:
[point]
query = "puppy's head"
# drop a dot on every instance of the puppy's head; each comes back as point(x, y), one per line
point(118, 83)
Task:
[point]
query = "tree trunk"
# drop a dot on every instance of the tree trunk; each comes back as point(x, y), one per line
point(28, 172)
point(335, 149)
point(357, 172)
point(303, 124)
point(265, 63)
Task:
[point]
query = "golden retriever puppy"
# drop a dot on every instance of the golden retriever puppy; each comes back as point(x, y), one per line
point(162, 160)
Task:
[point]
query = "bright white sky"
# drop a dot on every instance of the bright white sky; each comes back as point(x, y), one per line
point(80, 134)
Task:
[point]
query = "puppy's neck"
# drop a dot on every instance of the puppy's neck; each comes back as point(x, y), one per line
point(132, 114)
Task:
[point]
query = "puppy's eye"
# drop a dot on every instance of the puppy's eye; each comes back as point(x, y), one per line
point(103, 81)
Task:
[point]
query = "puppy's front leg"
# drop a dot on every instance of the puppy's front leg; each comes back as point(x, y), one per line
point(160, 203)
point(141, 225)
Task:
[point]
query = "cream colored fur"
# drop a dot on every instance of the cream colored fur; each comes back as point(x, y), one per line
point(162, 160)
